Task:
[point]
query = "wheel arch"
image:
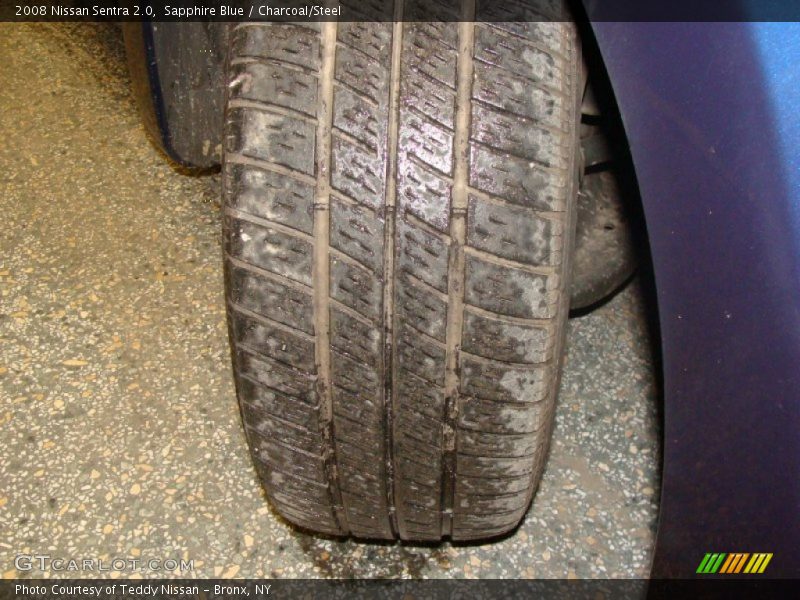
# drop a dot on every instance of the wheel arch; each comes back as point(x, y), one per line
point(699, 113)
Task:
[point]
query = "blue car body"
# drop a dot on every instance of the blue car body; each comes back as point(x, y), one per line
point(712, 116)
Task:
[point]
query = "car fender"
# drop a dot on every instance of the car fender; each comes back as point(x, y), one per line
point(712, 116)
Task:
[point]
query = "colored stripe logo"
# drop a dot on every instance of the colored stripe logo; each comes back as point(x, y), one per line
point(733, 563)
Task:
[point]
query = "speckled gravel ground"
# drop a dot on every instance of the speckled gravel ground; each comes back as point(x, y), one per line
point(119, 431)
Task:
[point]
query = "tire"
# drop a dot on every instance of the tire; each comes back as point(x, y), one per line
point(399, 205)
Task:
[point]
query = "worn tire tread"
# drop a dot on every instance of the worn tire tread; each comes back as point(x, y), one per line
point(397, 304)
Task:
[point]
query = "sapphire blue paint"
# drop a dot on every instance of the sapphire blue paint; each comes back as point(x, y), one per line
point(778, 45)
point(712, 114)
